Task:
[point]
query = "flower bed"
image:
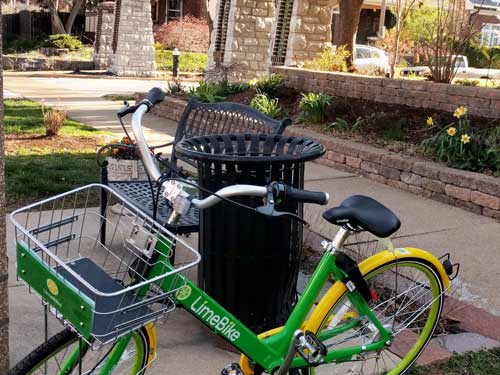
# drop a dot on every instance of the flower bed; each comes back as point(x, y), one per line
point(473, 191)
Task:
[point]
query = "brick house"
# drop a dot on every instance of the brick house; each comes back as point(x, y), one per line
point(487, 21)
point(168, 10)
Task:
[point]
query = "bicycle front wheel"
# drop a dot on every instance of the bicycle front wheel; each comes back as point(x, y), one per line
point(50, 357)
point(410, 299)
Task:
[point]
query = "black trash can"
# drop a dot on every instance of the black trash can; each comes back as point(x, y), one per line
point(250, 262)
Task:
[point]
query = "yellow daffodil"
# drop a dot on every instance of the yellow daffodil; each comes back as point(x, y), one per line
point(460, 111)
point(253, 81)
point(451, 131)
point(465, 139)
point(430, 121)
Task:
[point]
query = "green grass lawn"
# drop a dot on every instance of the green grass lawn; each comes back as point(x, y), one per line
point(37, 167)
point(25, 117)
point(485, 362)
point(188, 61)
point(34, 174)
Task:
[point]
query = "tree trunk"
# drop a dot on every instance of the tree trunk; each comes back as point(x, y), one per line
point(350, 11)
point(4, 310)
point(74, 12)
point(57, 25)
point(205, 9)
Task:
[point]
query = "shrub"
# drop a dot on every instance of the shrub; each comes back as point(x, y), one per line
point(64, 41)
point(314, 106)
point(188, 61)
point(330, 60)
point(481, 56)
point(344, 126)
point(175, 88)
point(270, 85)
point(187, 34)
point(21, 45)
point(270, 107)
point(466, 82)
point(210, 92)
point(53, 120)
point(462, 146)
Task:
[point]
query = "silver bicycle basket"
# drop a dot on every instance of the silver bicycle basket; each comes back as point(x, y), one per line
point(103, 285)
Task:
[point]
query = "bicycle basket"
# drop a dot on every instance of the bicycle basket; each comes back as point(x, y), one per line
point(104, 285)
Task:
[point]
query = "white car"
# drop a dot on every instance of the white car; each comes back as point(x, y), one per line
point(369, 58)
point(461, 67)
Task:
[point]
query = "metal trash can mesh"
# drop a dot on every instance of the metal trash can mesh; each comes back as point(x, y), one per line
point(250, 262)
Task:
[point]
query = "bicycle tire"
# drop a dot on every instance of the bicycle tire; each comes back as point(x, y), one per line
point(63, 340)
point(433, 288)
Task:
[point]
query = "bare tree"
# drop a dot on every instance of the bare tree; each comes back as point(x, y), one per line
point(445, 35)
point(57, 25)
point(350, 11)
point(401, 10)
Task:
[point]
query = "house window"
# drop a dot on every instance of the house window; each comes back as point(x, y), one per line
point(155, 7)
point(490, 34)
point(174, 10)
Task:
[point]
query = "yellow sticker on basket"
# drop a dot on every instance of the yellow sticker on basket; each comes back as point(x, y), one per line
point(53, 289)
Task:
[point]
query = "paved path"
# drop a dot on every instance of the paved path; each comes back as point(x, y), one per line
point(471, 239)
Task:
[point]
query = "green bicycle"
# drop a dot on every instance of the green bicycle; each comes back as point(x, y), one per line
point(376, 318)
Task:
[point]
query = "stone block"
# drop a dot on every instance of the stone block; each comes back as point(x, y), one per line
point(458, 177)
point(392, 83)
point(489, 185)
point(420, 191)
point(411, 179)
point(353, 162)
point(397, 184)
point(487, 93)
point(401, 162)
point(461, 193)
point(462, 90)
point(371, 153)
point(443, 198)
point(433, 185)
point(336, 157)
point(491, 213)
point(426, 169)
point(345, 147)
point(485, 200)
point(414, 85)
point(377, 178)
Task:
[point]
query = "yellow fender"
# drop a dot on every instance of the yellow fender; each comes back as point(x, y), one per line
point(337, 290)
point(152, 339)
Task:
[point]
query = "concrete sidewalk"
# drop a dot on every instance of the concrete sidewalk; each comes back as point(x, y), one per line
point(184, 346)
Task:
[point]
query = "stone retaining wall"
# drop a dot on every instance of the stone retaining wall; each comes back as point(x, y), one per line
point(472, 191)
point(480, 101)
point(28, 63)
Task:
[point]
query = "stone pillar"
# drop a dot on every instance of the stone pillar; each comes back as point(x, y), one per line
point(133, 43)
point(246, 38)
point(4, 307)
point(104, 35)
point(310, 30)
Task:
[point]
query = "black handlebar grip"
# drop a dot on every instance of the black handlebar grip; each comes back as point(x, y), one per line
point(306, 196)
point(155, 96)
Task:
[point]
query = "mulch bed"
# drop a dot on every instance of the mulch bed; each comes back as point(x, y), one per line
point(60, 143)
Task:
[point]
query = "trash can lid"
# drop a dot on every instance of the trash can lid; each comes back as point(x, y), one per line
point(260, 148)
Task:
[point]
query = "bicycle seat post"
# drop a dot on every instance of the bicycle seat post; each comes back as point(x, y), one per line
point(337, 242)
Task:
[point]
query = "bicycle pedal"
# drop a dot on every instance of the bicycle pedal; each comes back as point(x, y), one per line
point(311, 348)
point(232, 369)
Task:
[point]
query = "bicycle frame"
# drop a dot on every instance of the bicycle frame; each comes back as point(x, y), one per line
point(268, 352)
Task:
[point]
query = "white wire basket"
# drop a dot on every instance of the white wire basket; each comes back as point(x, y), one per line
point(104, 272)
